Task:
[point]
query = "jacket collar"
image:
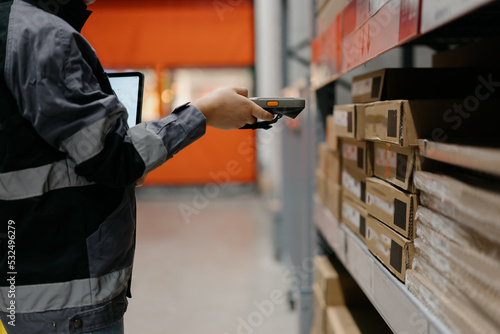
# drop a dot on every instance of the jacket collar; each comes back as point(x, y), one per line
point(74, 12)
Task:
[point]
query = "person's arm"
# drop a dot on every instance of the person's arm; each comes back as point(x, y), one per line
point(58, 94)
point(227, 109)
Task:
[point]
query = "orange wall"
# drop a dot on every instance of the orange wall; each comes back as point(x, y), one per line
point(183, 33)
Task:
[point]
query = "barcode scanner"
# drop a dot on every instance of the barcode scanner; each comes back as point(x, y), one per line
point(279, 106)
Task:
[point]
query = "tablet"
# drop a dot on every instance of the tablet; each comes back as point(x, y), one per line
point(129, 88)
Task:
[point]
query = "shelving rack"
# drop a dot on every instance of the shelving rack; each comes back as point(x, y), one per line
point(399, 308)
point(355, 38)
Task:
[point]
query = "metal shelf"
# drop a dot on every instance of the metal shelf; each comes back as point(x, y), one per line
point(341, 48)
point(344, 46)
point(400, 309)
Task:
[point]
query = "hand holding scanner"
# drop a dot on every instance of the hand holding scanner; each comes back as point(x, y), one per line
point(280, 106)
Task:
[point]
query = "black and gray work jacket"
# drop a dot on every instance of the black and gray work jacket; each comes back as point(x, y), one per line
point(68, 164)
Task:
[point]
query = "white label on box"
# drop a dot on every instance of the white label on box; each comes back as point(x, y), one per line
point(380, 157)
point(392, 159)
point(362, 87)
point(340, 117)
point(383, 249)
point(379, 203)
point(386, 158)
point(351, 184)
point(350, 214)
point(370, 233)
point(385, 239)
point(350, 152)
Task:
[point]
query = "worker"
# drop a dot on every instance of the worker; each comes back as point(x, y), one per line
point(69, 164)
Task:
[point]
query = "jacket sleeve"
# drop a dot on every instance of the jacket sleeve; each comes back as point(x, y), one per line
point(50, 73)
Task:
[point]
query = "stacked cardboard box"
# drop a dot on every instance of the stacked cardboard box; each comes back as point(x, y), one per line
point(328, 174)
point(329, 289)
point(347, 123)
point(385, 194)
point(457, 259)
point(392, 109)
point(445, 241)
point(484, 53)
point(371, 206)
point(355, 320)
point(337, 296)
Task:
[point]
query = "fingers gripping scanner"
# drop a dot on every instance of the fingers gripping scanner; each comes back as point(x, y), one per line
point(279, 106)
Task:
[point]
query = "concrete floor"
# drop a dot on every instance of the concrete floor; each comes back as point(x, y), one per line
point(210, 272)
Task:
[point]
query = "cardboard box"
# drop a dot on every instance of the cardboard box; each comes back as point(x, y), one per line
point(484, 53)
point(394, 207)
point(349, 121)
point(458, 313)
point(467, 199)
point(322, 157)
point(357, 156)
point(319, 308)
point(334, 199)
point(419, 83)
point(348, 320)
point(455, 256)
point(329, 162)
point(396, 165)
point(339, 320)
point(354, 216)
point(321, 186)
point(392, 249)
point(478, 158)
point(404, 122)
point(327, 281)
point(332, 140)
point(334, 166)
point(354, 185)
point(335, 284)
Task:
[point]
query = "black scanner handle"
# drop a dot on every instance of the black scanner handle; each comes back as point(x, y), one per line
point(265, 125)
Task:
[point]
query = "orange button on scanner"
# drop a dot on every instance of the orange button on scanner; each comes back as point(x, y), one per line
point(273, 103)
